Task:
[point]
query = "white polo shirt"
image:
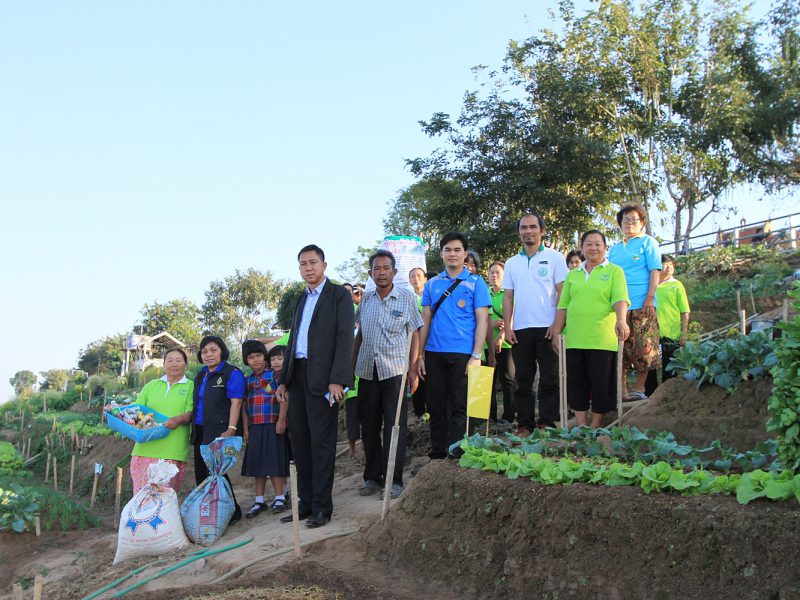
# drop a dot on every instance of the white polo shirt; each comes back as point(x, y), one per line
point(534, 283)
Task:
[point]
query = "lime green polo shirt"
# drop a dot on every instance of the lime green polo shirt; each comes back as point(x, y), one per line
point(496, 312)
point(171, 402)
point(589, 302)
point(671, 303)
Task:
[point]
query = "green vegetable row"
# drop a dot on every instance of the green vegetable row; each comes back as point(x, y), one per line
point(726, 362)
point(784, 404)
point(629, 443)
point(657, 477)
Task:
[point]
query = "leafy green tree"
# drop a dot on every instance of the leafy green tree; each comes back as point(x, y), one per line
point(103, 355)
point(23, 382)
point(181, 318)
point(354, 270)
point(242, 304)
point(291, 294)
point(657, 102)
point(55, 379)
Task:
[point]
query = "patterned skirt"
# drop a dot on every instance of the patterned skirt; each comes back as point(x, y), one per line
point(139, 466)
point(640, 351)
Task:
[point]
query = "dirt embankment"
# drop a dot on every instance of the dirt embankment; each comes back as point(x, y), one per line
point(489, 537)
point(698, 417)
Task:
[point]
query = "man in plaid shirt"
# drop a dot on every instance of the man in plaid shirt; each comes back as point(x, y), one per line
point(386, 317)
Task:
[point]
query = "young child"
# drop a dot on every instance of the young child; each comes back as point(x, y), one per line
point(264, 424)
point(673, 313)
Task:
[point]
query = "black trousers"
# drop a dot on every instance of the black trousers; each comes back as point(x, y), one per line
point(378, 404)
point(352, 416)
point(313, 428)
point(447, 398)
point(419, 399)
point(201, 470)
point(533, 351)
point(592, 377)
point(668, 348)
point(504, 379)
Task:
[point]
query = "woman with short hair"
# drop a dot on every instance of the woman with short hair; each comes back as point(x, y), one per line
point(593, 306)
point(640, 258)
point(218, 391)
point(171, 395)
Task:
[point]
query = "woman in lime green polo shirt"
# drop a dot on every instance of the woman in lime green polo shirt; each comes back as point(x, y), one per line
point(504, 373)
point(171, 395)
point(593, 307)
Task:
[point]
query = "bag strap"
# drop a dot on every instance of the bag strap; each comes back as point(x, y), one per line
point(444, 297)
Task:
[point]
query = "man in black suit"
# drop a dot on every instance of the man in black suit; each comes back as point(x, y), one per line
point(317, 364)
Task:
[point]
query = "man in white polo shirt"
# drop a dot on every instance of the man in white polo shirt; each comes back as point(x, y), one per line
point(532, 282)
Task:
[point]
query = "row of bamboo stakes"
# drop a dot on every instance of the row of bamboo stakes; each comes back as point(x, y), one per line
point(78, 445)
point(38, 588)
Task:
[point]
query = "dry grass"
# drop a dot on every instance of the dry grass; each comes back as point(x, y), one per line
point(292, 592)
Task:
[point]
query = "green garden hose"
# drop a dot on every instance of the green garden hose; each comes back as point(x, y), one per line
point(192, 557)
point(179, 565)
point(116, 582)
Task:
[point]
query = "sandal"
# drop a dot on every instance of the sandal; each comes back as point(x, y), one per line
point(278, 506)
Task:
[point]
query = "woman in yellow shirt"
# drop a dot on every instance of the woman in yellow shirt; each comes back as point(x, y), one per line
point(592, 313)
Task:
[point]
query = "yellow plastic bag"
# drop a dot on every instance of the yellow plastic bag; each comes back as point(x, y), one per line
point(479, 391)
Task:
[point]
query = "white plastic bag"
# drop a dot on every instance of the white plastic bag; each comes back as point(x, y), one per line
point(150, 523)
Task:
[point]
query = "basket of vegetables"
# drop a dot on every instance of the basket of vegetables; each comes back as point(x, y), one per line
point(136, 422)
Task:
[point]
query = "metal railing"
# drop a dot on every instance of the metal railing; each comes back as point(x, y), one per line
point(760, 232)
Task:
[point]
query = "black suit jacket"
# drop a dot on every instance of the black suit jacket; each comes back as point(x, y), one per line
point(330, 341)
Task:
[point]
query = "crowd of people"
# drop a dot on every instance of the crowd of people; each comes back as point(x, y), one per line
point(375, 349)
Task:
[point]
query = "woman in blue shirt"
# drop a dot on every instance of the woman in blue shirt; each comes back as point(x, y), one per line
point(218, 391)
point(640, 258)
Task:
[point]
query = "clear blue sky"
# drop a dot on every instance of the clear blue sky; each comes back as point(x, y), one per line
point(148, 148)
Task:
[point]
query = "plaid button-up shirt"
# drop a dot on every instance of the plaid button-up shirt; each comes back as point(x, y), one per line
point(385, 325)
point(262, 406)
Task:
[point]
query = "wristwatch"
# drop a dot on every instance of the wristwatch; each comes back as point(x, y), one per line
point(476, 356)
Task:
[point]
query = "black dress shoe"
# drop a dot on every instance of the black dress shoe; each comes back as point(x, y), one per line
point(303, 514)
point(317, 520)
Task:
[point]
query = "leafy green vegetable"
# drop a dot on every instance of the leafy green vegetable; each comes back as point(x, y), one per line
point(784, 404)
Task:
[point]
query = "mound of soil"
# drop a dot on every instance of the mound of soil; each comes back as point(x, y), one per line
point(490, 537)
point(698, 417)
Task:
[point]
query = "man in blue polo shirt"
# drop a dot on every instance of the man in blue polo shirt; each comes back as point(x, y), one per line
point(455, 314)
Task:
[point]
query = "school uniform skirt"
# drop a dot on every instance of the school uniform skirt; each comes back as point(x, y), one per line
point(267, 452)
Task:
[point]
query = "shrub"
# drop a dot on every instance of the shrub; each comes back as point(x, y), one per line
point(11, 461)
point(784, 404)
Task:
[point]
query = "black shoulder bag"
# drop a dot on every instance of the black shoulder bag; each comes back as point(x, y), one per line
point(444, 297)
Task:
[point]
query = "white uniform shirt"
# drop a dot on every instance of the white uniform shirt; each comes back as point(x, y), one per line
point(534, 281)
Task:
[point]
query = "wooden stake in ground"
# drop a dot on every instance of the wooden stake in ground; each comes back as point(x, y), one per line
point(743, 321)
point(17, 591)
point(98, 469)
point(37, 523)
point(562, 379)
point(387, 490)
point(620, 380)
point(55, 473)
point(295, 508)
point(118, 497)
point(54, 424)
point(38, 586)
point(71, 474)
point(28, 449)
point(22, 422)
point(72, 442)
point(47, 468)
point(785, 313)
